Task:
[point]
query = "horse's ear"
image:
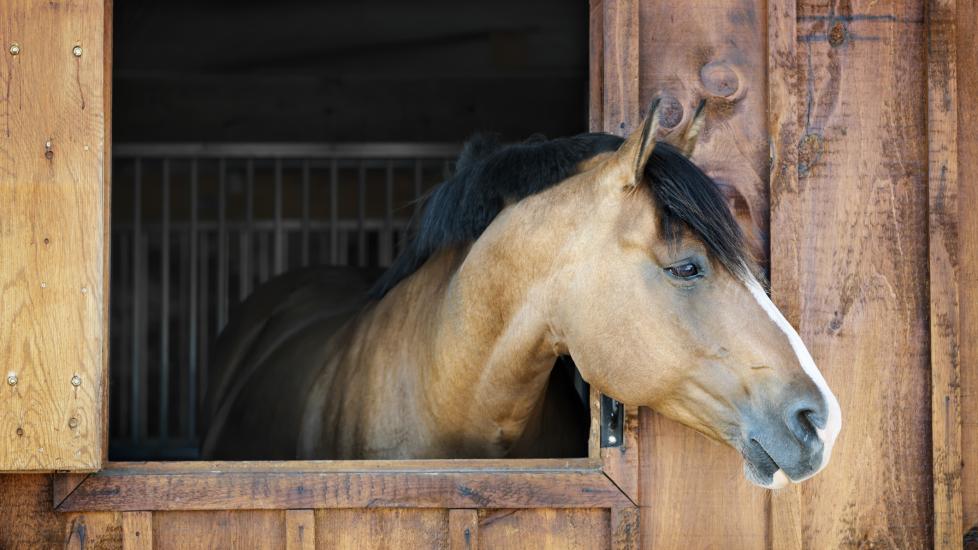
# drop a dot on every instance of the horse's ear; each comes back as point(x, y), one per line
point(688, 141)
point(638, 147)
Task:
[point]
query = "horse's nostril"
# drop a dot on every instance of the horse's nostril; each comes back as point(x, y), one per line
point(803, 421)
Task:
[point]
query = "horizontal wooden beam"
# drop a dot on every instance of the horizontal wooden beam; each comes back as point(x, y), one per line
point(196, 486)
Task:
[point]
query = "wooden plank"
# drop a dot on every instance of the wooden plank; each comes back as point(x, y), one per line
point(625, 528)
point(596, 65)
point(620, 109)
point(27, 519)
point(544, 529)
point(137, 531)
point(849, 260)
point(621, 462)
point(942, 139)
point(121, 490)
point(252, 529)
point(300, 530)
point(715, 52)
point(785, 96)
point(967, 60)
point(463, 529)
point(63, 484)
point(382, 529)
point(53, 204)
point(359, 466)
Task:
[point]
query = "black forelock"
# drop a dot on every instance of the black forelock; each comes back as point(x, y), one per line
point(489, 176)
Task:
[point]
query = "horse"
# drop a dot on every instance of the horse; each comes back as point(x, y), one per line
point(619, 253)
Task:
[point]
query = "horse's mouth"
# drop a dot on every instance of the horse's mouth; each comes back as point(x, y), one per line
point(760, 468)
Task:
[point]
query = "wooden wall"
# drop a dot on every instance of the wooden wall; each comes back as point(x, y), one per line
point(53, 234)
point(838, 130)
point(27, 520)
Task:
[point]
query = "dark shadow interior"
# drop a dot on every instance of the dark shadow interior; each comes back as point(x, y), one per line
point(251, 138)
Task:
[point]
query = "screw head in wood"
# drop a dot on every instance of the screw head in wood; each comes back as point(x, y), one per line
point(72, 422)
point(11, 379)
point(77, 50)
point(76, 380)
point(14, 49)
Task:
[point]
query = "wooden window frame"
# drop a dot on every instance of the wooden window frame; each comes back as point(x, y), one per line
point(606, 478)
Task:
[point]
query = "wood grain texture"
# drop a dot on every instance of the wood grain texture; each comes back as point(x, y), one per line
point(944, 259)
point(28, 520)
point(621, 463)
point(300, 530)
point(785, 125)
point(544, 529)
point(137, 531)
point(190, 487)
point(713, 51)
point(967, 61)
point(253, 529)
point(620, 108)
point(625, 533)
point(849, 259)
point(52, 233)
point(382, 529)
point(63, 484)
point(463, 529)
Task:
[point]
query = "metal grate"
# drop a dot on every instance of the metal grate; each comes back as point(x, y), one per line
point(195, 228)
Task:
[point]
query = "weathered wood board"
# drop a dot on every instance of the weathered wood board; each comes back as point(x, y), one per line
point(53, 244)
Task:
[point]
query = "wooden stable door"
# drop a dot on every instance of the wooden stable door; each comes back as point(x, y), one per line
point(54, 197)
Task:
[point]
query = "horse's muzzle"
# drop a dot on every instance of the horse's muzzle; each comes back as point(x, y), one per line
point(779, 448)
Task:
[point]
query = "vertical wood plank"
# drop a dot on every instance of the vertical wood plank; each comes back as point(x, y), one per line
point(137, 531)
point(967, 108)
point(785, 95)
point(544, 529)
point(300, 530)
point(688, 52)
point(28, 520)
point(381, 528)
point(942, 136)
point(463, 529)
point(53, 231)
point(620, 109)
point(624, 529)
point(257, 529)
point(849, 260)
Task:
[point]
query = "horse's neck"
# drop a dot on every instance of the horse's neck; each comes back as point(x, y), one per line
point(482, 356)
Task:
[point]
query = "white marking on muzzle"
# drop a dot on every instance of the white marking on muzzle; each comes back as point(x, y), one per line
point(833, 424)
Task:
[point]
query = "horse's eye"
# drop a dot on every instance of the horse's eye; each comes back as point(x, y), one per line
point(684, 271)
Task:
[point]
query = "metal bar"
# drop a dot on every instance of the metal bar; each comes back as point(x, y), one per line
point(122, 241)
point(334, 214)
point(135, 394)
point(278, 248)
point(192, 310)
point(143, 404)
point(287, 150)
point(244, 276)
point(165, 307)
point(222, 246)
point(361, 215)
point(387, 247)
point(202, 329)
point(305, 213)
point(263, 259)
point(418, 185)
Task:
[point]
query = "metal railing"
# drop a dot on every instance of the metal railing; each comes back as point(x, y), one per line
point(196, 227)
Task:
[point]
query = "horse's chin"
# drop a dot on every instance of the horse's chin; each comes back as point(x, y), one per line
point(777, 480)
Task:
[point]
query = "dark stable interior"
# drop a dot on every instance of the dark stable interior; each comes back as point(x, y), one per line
point(329, 72)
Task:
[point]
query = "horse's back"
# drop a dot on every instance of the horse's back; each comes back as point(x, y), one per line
point(268, 356)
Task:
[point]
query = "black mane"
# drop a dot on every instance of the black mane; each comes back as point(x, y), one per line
point(489, 175)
